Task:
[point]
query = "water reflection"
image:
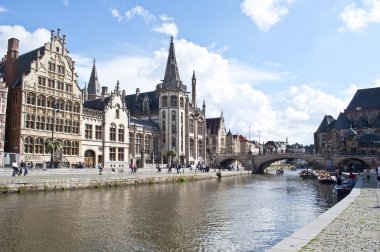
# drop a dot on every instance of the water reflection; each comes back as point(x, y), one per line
point(245, 213)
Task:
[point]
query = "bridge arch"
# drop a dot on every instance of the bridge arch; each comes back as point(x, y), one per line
point(227, 160)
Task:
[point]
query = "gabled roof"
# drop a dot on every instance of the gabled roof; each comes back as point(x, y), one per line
point(134, 102)
point(325, 124)
point(213, 124)
point(365, 99)
point(96, 104)
point(341, 123)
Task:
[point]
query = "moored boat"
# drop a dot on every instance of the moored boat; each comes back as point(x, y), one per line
point(280, 171)
point(307, 174)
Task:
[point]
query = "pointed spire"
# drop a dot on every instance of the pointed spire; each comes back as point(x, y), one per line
point(93, 88)
point(194, 90)
point(171, 72)
point(204, 106)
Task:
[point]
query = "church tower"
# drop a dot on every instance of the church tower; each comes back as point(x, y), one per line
point(93, 87)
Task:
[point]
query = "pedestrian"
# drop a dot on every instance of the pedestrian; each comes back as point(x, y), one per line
point(26, 167)
point(368, 176)
point(100, 168)
point(15, 168)
point(22, 166)
point(378, 176)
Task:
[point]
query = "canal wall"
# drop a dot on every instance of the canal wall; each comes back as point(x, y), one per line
point(81, 181)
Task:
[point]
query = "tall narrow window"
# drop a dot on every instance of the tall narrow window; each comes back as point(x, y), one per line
point(120, 154)
point(39, 146)
point(121, 133)
point(191, 147)
point(98, 132)
point(191, 126)
point(113, 132)
point(138, 144)
point(74, 148)
point(66, 147)
point(28, 145)
point(146, 144)
point(112, 153)
point(173, 101)
point(31, 99)
point(164, 101)
point(88, 131)
point(200, 149)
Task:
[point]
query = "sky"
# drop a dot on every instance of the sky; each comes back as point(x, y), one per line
point(272, 68)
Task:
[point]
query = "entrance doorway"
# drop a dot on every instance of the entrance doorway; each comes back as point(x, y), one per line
point(89, 159)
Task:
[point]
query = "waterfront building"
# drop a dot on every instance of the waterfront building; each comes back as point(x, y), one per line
point(356, 130)
point(3, 115)
point(44, 103)
point(216, 137)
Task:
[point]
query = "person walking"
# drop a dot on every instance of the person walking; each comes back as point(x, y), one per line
point(26, 167)
point(15, 168)
point(100, 168)
point(22, 166)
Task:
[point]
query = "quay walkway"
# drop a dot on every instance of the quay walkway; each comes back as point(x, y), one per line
point(62, 179)
point(351, 225)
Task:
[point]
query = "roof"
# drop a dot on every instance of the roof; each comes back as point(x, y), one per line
point(134, 102)
point(341, 123)
point(213, 124)
point(325, 124)
point(365, 99)
point(96, 104)
point(370, 139)
point(146, 123)
point(171, 73)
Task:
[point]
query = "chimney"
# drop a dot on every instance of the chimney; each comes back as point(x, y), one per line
point(10, 68)
point(12, 49)
point(104, 92)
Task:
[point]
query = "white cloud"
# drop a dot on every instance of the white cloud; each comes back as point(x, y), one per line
point(139, 11)
point(265, 13)
point(358, 18)
point(28, 40)
point(116, 14)
point(165, 18)
point(3, 9)
point(167, 28)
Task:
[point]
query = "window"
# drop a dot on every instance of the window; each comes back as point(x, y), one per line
point(200, 148)
point(146, 144)
point(76, 108)
point(31, 98)
point(173, 101)
point(41, 81)
point(41, 101)
point(120, 154)
point(68, 106)
point(98, 132)
point(60, 85)
point(200, 128)
point(39, 146)
point(191, 147)
point(121, 133)
point(42, 123)
point(181, 102)
point(112, 153)
point(76, 127)
point(50, 102)
point(163, 121)
point(58, 125)
point(51, 66)
point(155, 146)
point(28, 145)
point(164, 101)
point(191, 125)
point(29, 121)
point(49, 123)
point(66, 147)
point(117, 113)
point(113, 132)
point(67, 126)
point(138, 144)
point(61, 69)
point(61, 105)
point(74, 148)
point(88, 131)
point(69, 87)
point(51, 83)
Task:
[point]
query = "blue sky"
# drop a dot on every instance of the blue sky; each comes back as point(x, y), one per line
point(274, 66)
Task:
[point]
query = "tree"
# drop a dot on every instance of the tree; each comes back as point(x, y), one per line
point(53, 146)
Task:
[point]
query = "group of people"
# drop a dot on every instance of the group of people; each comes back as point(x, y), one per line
point(17, 170)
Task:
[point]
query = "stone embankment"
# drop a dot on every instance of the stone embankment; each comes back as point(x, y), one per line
point(67, 179)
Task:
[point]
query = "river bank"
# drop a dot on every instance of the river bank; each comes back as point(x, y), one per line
point(350, 225)
point(69, 179)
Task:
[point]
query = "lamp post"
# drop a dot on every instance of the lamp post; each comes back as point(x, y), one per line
point(55, 110)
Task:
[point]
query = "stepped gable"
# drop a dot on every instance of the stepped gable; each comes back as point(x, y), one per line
point(134, 102)
point(325, 124)
point(213, 125)
point(365, 99)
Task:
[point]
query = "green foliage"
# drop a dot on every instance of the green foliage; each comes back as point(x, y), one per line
point(53, 145)
point(172, 153)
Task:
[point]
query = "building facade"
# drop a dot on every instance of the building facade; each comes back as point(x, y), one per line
point(356, 130)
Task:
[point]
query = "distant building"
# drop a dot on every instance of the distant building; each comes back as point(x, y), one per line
point(356, 130)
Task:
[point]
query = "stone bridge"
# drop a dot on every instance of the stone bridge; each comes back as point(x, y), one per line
point(258, 163)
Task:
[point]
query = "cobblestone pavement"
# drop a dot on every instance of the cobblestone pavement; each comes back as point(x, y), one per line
point(357, 228)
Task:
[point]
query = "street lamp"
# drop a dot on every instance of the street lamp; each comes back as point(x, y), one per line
point(55, 110)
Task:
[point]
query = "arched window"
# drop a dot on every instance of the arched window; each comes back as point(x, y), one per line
point(121, 133)
point(164, 101)
point(146, 144)
point(66, 147)
point(181, 102)
point(173, 101)
point(28, 145)
point(68, 106)
point(29, 121)
point(41, 101)
point(113, 132)
point(31, 99)
point(61, 104)
point(39, 146)
point(50, 102)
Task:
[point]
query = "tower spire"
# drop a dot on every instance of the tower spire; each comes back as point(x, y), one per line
point(93, 87)
point(171, 72)
point(194, 90)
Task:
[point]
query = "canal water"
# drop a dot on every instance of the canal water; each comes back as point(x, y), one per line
point(243, 213)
